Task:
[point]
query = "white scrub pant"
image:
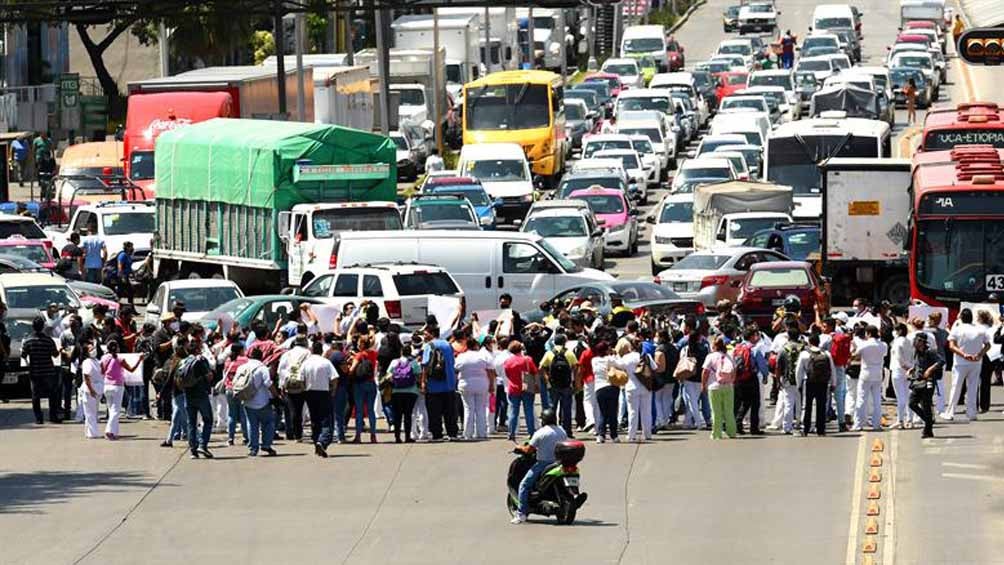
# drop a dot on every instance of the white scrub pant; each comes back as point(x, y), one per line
point(787, 400)
point(475, 414)
point(851, 405)
point(113, 398)
point(869, 392)
point(89, 404)
point(902, 387)
point(589, 402)
point(970, 374)
point(420, 419)
point(639, 405)
point(691, 399)
point(222, 410)
point(663, 405)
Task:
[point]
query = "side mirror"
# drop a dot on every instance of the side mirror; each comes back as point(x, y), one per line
point(601, 221)
point(284, 218)
point(288, 291)
point(650, 219)
point(517, 222)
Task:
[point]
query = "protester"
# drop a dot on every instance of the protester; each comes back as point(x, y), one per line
point(404, 376)
point(475, 378)
point(717, 378)
point(817, 375)
point(194, 376)
point(750, 369)
point(521, 383)
point(293, 385)
point(235, 410)
point(39, 350)
point(558, 370)
point(924, 374)
point(439, 380)
point(968, 343)
point(607, 394)
point(113, 370)
point(637, 390)
point(900, 365)
point(871, 351)
point(318, 376)
point(261, 417)
point(92, 389)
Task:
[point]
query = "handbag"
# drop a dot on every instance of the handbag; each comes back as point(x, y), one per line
point(685, 368)
point(644, 372)
point(617, 377)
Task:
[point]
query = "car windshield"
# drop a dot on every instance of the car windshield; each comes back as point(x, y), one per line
point(400, 141)
point(126, 223)
point(690, 185)
point(709, 145)
point(736, 79)
point(34, 253)
point(660, 103)
point(559, 258)
point(418, 283)
point(600, 86)
point(827, 23)
point(442, 211)
point(701, 262)
point(653, 134)
point(596, 146)
point(901, 75)
point(18, 328)
point(643, 146)
point(811, 42)
point(638, 291)
point(25, 229)
point(574, 112)
point(327, 223)
point(742, 228)
point(719, 67)
point(141, 165)
point(780, 278)
point(732, 11)
point(723, 173)
point(475, 194)
point(202, 299)
point(232, 309)
point(411, 96)
point(569, 186)
point(758, 104)
point(783, 81)
point(603, 203)
point(674, 212)
point(912, 61)
point(814, 65)
point(557, 226)
point(806, 80)
point(496, 170)
point(961, 258)
point(643, 45)
point(37, 296)
point(736, 49)
point(802, 244)
point(629, 161)
point(589, 97)
point(621, 69)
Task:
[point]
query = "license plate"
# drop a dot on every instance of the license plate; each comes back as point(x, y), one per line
point(10, 379)
point(777, 302)
point(680, 287)
point(571, 481)
point(995, 282)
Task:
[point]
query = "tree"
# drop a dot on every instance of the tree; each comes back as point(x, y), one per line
point(95, 52)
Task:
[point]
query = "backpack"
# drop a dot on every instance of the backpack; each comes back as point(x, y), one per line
point(560, 370)
point(819, 368)
point(791, 351)
point(363, 371)
point(840, 349)
point(184, 374)
point(725, 372)
point(743, 357)
point(402, 375)
point(295, 383)
point(241, 383)
point(437, 364)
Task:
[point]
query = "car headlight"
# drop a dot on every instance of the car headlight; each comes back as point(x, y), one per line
point(662, 240)
point(486, 220)
point(620, 228)
point(578, 251)
point(526, 198)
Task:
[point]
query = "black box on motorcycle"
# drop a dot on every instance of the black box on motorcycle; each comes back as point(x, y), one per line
point(570, 452)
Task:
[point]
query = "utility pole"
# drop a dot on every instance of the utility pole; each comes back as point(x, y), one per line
point(164, 43)
point(280, 55)
point(488, 41)
point(384, 70)
point(436, 110)
point(561, 51)
point(349, 49)
point(532, 47)
point(301, 105)
point(591, 63)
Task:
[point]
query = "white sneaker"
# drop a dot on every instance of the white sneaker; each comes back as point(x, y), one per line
point(518, 518)
point(617, 439)
point(601, 439)
point(946, 416)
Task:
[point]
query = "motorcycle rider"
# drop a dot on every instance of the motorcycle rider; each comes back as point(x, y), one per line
point(542, 444)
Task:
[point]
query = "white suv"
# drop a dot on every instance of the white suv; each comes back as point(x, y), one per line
point(401, 290)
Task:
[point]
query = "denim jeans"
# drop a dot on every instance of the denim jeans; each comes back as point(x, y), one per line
point(562, 402)
point(501, 406)
point(545, 395)
point(706, 407)
point(339, 401)
point(320, 416)
point(261, 424)
point(515, 400)
point(365, 395)
point(840, 393)
point(136, 400)
point(235, 413)
point(199, 406)
point(179, 417)
point(527, 484)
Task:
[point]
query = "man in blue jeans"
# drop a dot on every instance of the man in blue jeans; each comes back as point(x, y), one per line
point(543, 443)
point(95, 254)
point(558, 368)
point(261, 417)
point(197, 403)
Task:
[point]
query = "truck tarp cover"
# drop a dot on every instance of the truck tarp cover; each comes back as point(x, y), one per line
point(250, 162)
point(857, 102)
point(739, 196)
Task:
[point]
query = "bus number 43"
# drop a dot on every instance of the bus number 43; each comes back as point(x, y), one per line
point(995, 282)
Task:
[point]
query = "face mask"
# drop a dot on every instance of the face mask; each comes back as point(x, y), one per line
point(92, 352)
point(175, 326)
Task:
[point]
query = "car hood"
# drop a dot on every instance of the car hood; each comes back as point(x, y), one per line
point(567, 244)
point(508, 188)
point(674, 229)
point(613, 220)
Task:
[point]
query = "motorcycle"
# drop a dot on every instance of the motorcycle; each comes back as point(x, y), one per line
point(557, 490)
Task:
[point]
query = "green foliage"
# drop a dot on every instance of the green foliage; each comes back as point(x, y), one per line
point(263, 45)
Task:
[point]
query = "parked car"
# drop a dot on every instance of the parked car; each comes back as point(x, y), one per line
point(715, 274)
point(269, 308)
point(614, 212)
point(639, 296)
point(574, 231)
point(768, 284)
point(199, 296)
point(797, 241)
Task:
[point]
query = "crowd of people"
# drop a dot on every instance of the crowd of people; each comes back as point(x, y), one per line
point(627, 373)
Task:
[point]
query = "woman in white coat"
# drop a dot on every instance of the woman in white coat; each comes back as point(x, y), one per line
point(639, 397)
point(91, 389)
point(900, 363)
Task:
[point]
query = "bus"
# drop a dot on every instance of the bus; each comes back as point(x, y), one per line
point(794, 151)
point(967, 124)
point(956, 232)
point(524, 107)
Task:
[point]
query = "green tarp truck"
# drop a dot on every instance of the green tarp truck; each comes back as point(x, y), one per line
point(224, 186)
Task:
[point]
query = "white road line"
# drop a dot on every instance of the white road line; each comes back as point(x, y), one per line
point(964, 465)
point(971, 477)
point(859, 481)
point(889, 544)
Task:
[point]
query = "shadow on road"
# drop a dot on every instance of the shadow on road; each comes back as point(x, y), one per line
point(28, 493)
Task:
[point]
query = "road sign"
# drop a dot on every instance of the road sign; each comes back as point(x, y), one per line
point(69, 90)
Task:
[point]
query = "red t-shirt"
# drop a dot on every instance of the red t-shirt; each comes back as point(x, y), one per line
point(515, 367)
point(586, 363)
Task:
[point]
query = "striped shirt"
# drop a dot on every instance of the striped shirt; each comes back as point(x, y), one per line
point(39, 349)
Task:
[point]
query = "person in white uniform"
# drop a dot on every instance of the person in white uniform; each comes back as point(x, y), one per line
point(872, 353)
point(900, 364)
point(968, 342)
point(91, 389)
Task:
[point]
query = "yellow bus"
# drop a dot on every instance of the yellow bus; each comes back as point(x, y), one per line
point(524, 107)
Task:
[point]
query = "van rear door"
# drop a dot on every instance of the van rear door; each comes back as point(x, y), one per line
point(414, 290)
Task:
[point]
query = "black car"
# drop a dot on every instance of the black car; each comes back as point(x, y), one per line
point(640, 296)
point(15, 379)
point(730, 19)
point(707, 86)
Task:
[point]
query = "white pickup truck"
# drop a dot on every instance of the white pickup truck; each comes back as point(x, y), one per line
point(115, 222)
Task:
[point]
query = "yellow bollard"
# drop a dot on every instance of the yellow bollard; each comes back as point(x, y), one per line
point(871, 526)
point(877, 446)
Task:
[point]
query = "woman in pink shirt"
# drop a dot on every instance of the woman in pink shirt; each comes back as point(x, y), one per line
point(113, 369)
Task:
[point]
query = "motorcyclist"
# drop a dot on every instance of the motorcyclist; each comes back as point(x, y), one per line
point(542, 444)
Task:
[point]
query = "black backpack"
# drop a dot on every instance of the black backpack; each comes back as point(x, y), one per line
point(363, 371)
point(819, 368)
point(437, 364)
point(560, 370)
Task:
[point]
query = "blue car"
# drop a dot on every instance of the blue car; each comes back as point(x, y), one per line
point(471, 188)
point(797, 241)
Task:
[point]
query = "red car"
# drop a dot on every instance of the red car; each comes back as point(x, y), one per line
point(31, 249)
point(768, 284)
point(731, 82)
point(612, 80)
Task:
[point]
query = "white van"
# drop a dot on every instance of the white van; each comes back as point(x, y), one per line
point(504, 171)
point(486, 264)
point(638, 41)
point(833, 16)
point(743, 123)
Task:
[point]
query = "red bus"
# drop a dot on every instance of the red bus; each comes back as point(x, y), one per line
point(956, 239)
point(967, 124)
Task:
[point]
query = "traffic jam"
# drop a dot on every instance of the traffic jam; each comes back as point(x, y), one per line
point(768, 171)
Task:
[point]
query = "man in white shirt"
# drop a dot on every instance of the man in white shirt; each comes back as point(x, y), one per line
point(872, 353)
point(968, 342)
point(292, 362)
point(501, 355)
point(318, 373)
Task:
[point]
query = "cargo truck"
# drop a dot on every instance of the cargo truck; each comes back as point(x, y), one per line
point(234, 194)
point(727, 213)
point(503, 35)
point(457, 34)
point(413, 79)
point(866, 216)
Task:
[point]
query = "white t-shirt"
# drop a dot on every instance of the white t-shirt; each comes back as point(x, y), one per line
point(317, 372)
point(872, 353)
point(500, 358)
point(92, 368)
point(472, 371)
point(713, 361)
point(600, 365)
point(901, 356)
point(970, 338)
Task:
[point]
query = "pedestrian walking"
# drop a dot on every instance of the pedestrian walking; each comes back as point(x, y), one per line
point(171, 390)
point(926, 370)
point(817, 374)
point(194, 375)
point(910, 94)
point(258, 409)
point(319, 375)
point(901, 360)
point(19, 152)
point(968, 343)
point(693, 353)
point(113, 370)
point(38, 350)
point(293, 385)
point(236, 358)
point(985, 320)
point(717, 378)
point(521, 378)
point(666, 357)
point(871, 351)
point(558, 369)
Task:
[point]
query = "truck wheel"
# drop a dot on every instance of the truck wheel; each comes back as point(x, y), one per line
point(896, 290)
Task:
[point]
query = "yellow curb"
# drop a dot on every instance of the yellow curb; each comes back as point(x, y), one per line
point(876, 460)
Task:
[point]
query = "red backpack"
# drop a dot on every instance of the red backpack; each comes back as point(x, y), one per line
point(743, 356)
point(840, 349)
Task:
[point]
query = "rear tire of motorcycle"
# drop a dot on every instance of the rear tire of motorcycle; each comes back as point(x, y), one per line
point(510, 505)
point(566, 514)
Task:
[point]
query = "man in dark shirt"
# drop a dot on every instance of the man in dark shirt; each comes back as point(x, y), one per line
point(123, 270)
point(925, 373)
point(71, 258)
point(197, 403)
point(39, 349)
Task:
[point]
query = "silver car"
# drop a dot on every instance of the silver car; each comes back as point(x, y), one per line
point(571, 230)
point(716, 274)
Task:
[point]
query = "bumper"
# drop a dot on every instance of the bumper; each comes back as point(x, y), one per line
point(746, 27)
point(618, 241)
point(511, 210)
point(667, 255)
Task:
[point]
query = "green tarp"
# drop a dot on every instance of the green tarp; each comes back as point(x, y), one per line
point(251, 162)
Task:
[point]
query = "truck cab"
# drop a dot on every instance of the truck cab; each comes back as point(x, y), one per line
point(115, 222)
point(309, 232)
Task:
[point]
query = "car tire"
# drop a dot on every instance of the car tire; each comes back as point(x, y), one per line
point(655, 269)
point(671, 165)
